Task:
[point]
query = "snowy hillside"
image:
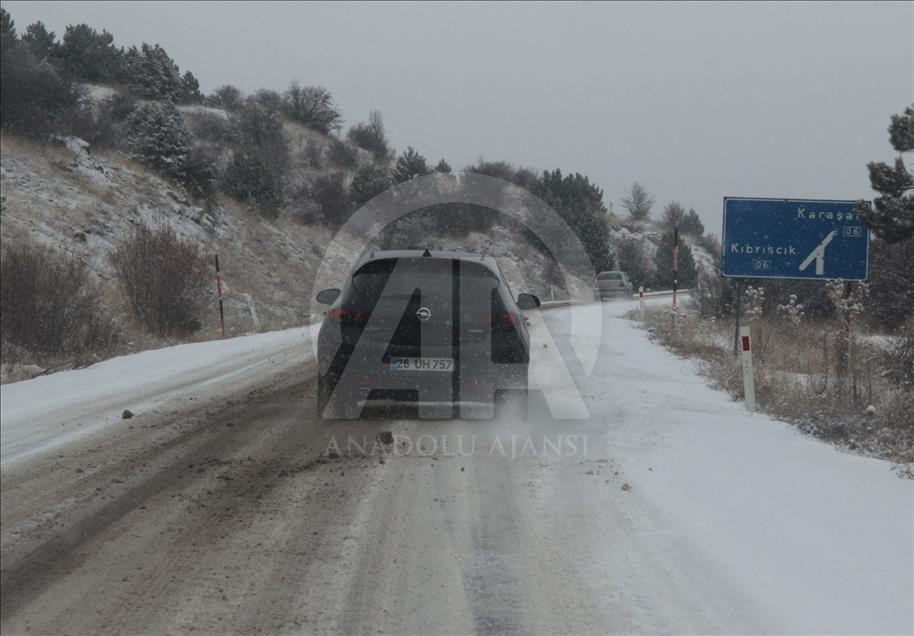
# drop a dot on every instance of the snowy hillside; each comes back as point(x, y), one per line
point(83, 202)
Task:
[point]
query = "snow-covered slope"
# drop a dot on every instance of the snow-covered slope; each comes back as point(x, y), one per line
point(81, 201)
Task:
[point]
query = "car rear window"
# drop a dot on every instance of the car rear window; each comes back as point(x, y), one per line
point(610, 276)
point(429, 275)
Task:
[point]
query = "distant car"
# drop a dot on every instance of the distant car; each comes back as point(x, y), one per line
point(428, 328)
point(612, 286)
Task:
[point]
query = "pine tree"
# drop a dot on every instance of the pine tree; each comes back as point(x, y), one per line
point(41, 42)
point(663, 262)
point(580, 203)
point(631, 260)
point(443, 167)
point(152, 73)
point(410, 165)
point(892, 215)
point(158, 138)
point(369, 181)
point(90, 55)
point(691, 224)
point(249, 179)
point(190, 88)
point(673, 215)
point(638, 202)
point(7, 30)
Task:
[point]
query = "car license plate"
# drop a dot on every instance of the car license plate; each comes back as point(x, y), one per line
point(421, 364)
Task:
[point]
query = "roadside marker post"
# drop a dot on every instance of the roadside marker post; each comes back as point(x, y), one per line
point(219, 292)
point(675, 264)
point(641, 300)
point(748, 373)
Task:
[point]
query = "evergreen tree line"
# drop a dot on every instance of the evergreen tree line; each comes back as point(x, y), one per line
point(246, 154)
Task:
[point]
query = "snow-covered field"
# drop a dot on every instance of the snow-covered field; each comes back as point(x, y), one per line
point(823, 540)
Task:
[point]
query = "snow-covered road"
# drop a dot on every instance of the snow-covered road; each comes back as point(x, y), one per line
point(635, 499)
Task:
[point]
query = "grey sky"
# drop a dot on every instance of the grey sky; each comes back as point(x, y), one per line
point(697, 101)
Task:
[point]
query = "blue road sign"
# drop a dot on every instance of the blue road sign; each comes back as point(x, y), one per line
point(793, 238)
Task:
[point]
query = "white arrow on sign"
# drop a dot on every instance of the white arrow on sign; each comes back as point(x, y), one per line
point(819, 255)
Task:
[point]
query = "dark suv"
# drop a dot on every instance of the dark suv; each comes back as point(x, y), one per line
point(436, 330)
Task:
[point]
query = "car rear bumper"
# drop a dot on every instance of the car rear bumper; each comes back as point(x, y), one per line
point(612, 294)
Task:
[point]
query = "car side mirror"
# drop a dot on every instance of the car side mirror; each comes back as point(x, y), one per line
point(527, 301)
point(328, 296)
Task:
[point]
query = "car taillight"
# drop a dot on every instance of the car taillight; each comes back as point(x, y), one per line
point(351, 315)
point(503, 317)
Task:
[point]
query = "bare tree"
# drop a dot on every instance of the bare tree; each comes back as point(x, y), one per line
point(312, 106)
point(638, 202)
point(163, 279)
point(371, 136)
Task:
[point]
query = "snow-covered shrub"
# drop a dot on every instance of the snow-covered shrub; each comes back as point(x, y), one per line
point(329, 195)
point(214, 127)
point(846, 302)
point(371, 136)
point(341, 154)
point(791, 311)
point(713, 295)
point(164, 280)
point(249, 179)
point(227, 97)
point(753, 301)
point(50, 305)
point(313, 154)
point(901, 367)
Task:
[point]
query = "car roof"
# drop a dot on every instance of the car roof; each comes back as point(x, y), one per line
point(375, 255)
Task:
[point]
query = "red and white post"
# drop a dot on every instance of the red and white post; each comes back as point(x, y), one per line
point(219, 292)
point(675, 265)
point(641, 300)
point(748, 372)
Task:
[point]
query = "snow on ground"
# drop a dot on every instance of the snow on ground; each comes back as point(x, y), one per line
point(824, 539)
point(810, 539)
point(52, 410)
